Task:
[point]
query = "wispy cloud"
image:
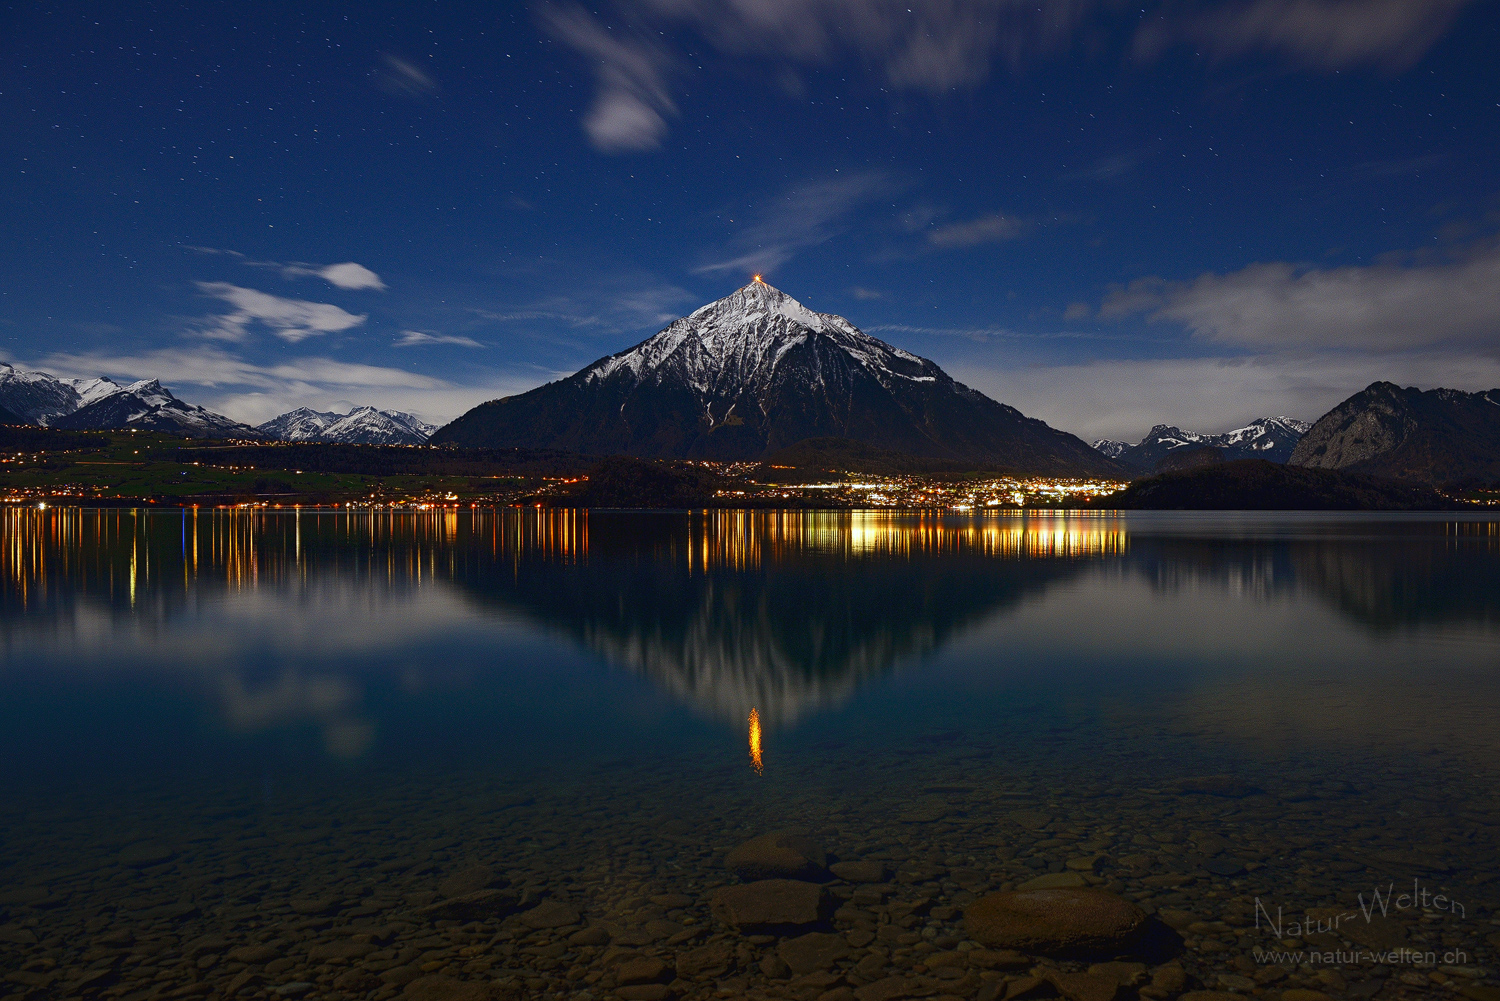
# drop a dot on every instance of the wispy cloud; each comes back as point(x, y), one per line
point(404, 77)
point(632, 101)
point(417, 338)
point(1322, 34)
point(987, 229)
point(800, 217)
point(618, 303)
point(1394, 305)
point(943, 46)
point(348, 275)
point(1107, 168)
point(292, 320)
point(981, 335)
point(932, 46)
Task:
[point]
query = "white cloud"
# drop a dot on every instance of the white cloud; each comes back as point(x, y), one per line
point(350, 276)
point(940, 46)
point(416, 338)
point(1322, 34)
point(801, 217)
point(1395, 305)
point(987, 229)
point(292, 320)
point(632, 99)
point(1123, 399)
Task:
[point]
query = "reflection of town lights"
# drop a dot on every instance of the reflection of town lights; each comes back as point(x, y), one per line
point(755, 741)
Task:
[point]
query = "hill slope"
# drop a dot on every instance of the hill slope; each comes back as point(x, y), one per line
point(1437, 436)
point(758, 371)
point(1258, 485)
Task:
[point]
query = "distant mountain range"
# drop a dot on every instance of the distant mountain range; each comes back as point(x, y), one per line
point(37, 397)
point(1270, 438)
point(99, 404)
point(361, 426)
point(758, 371)
point(102, 404)
point(1437, 436)
point(148, 406)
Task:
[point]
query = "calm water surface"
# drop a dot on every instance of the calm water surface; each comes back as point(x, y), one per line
point(246, 754)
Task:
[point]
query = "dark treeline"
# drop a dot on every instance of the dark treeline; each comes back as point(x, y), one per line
point(392, 460)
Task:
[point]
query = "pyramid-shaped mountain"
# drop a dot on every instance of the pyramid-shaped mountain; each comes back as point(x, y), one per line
point(758, 371)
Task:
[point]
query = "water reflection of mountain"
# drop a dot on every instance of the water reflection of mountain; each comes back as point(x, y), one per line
point(1385, 576)
point(782, 612)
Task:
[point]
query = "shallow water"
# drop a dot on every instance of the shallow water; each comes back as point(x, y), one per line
point(281, 732)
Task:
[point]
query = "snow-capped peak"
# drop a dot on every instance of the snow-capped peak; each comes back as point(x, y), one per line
point(150, 391)
point(738, 341)
point(92, 390)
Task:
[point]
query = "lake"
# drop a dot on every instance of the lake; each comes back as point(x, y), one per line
point(520, 753)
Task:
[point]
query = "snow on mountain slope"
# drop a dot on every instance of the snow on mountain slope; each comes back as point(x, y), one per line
point(1113, 449)
point(1271, 438)
point(148, 406)
point(302, 424)
point(361, 426)
point(738, 342)
point(35, 396)
point(758, 371)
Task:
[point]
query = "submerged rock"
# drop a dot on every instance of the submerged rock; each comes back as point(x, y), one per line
point(550, 914)
point(470, 880)
point(768, 903)
point(812, 952)
point(859, 872)
point(472, 907)
point(778, 855)
point(1054, 920)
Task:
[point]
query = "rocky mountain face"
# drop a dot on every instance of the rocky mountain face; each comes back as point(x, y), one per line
point(148, 406)
point(1270, 438)
point(1436, 436)
point(361, 426)
point(758, 371)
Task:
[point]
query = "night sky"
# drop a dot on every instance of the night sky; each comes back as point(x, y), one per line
point(1109, 215)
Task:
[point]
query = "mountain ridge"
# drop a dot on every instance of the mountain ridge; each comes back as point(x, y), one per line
point(360, 426)
point(149, 406)
point(1435, 435)
point(1269, 438)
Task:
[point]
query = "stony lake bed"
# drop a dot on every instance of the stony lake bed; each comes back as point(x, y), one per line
point(946, 802)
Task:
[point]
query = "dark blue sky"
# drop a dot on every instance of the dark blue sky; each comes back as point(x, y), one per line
point(1106, 214)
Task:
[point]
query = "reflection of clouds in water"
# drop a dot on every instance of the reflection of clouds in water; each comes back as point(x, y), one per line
point(271, 657)
point(1263, 671)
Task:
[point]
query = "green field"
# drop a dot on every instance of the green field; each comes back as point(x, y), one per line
point(141, 467)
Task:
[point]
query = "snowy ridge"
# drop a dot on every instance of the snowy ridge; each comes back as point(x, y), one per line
point(1113, 449)
point(738, 342)
point(361, 426)
point(147, 405)
point(1270, 438)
